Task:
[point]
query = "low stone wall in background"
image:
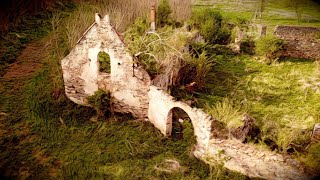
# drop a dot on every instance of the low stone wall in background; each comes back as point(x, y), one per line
point(301, 42)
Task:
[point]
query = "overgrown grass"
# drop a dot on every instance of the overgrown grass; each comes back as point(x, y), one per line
point(55, 137)
point(282, 97)
point(275, 95)
point(226, 112)
point(61, 142)
point(270, 48)
point(275, 12)
point(122, 13)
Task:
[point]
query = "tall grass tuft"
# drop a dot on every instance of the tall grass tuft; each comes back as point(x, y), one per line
point(226, 112)
point(270, 48)
point(204, 75)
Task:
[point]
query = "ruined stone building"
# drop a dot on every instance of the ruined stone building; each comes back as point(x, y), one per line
point(132, 92)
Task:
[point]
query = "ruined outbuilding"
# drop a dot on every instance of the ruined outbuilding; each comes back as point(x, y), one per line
point(132, 92)
point(301, 42)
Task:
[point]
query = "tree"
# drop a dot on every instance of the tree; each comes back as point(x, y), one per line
point(259, 9)
point(163, 14)
point(298, 7)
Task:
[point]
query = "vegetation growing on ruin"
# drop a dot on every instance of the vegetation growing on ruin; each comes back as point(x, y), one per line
point(101, 102)
point(104, 62)
point(49, 136)
point(270, 48)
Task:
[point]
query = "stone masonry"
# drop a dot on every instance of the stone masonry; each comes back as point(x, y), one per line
point(132, 92)
point(160, 114)
point(82, 77)
point(301, 42)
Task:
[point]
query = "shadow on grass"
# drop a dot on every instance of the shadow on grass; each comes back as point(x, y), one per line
point(294, 60)
point(228, 72)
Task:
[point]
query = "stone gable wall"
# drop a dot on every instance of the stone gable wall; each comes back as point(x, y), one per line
point(82, 77)
point(302, 42)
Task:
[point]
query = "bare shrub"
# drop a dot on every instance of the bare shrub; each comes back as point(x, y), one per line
point(181, 9)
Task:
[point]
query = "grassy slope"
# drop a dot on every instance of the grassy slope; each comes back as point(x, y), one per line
point(275, 13)
point(44, 135)
point(283, 97)
point(49, 136)
point(273, 94)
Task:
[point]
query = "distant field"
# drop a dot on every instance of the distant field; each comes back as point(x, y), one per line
point(275, 13)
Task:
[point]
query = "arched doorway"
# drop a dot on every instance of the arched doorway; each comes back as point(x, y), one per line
point(180, 126)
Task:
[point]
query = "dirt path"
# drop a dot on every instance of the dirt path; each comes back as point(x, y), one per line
point(16, 138)
point(27, 62)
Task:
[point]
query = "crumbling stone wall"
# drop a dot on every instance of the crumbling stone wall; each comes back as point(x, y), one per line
point(301, 42)
point(253, 161)
point(80, 68)
point(82, 78)
point(160, 114)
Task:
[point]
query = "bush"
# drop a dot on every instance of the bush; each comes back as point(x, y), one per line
point(211, 26)
point(313, 157)
point(242, 23)
point(270, 48)
point(204, 71)
point(163, 14)
point(101, 103)
point(104, 60)
point(247, 46)
point(194, 75)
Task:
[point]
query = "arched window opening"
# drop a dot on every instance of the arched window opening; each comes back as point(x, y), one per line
point(104, 62)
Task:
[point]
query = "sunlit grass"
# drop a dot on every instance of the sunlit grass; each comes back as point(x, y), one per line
point(277, 12)
point(275, 96)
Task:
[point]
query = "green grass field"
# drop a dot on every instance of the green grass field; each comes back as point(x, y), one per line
point(275, 13)
point(43, 135)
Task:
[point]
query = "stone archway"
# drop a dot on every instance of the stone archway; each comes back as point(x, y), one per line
point(160, 115)
point(179, 125)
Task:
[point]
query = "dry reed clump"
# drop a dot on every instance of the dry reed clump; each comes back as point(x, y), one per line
point(163, 54)
point(123, 13)
point(174, 57)
point(166, 57)
point(181, 9)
